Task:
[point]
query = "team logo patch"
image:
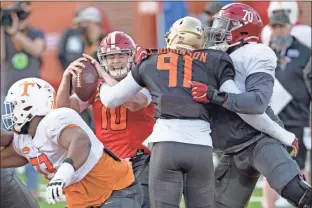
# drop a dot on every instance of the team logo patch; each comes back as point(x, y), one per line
point(25, 150)
point(198, 29)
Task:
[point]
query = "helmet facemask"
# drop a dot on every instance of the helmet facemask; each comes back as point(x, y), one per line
point(220, 34)
point(220, 31)
point(120, 72)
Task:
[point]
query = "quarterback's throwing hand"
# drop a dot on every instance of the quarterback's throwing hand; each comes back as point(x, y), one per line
point(54, 192)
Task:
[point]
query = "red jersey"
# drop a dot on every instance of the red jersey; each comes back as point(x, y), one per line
point(121, 130)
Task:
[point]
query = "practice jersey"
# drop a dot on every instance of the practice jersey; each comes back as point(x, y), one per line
point(44, 152)
point(248, 60)
point(121, 130)
point(252, 58)
point(167, 73)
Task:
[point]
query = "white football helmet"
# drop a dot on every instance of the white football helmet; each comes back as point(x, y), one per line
point(187, 32)
point(291, 7)
point(26, 99)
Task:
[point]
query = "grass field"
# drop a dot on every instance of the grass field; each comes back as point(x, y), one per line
point(255, 200)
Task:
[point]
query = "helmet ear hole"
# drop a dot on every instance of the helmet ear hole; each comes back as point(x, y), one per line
point(27, 108)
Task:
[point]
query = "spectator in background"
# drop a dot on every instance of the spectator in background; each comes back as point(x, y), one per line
point(83, 38)
point(301, 32)
point(293, 72)
point(21, 49)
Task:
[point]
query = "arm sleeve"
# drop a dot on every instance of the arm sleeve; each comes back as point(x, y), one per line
point(259, 89)
point(148, 95)
point(262, 122)
point(114, 96)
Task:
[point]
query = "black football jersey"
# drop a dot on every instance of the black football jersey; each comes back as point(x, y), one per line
point(167, 73)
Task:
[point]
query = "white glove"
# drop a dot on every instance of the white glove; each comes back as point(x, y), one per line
point(54, 192)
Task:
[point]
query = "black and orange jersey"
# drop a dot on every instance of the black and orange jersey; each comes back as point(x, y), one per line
point(167, 73)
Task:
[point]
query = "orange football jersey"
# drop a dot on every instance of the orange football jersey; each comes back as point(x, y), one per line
point(121, 130)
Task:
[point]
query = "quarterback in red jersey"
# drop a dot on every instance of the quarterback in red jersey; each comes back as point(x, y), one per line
point(124, 128)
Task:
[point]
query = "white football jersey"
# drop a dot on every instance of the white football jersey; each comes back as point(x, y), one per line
point(252, 58)
point(44, 152)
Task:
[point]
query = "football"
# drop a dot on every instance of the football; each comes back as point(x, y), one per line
point(86, 82)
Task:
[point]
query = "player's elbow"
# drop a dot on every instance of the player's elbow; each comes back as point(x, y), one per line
point(262, 104)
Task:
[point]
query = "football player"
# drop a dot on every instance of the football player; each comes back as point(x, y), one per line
point(181, 153)
point(124, 128)
point(248, 152)
point(60, 145)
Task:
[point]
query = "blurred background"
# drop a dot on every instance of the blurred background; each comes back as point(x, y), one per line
point(43, 38)
point(146, 22)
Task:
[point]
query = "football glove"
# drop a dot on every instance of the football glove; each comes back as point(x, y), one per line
point(295, 148)
point(54, 192)
point(206, 94)
point(140, 54)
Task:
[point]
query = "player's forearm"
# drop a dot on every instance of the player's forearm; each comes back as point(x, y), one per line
point(113, 97)
point(6, 138)
point(266, 125)
point(137, 102)
point(79, 150)
point(247, 103)
point(63, 93)
point(10, 159)
point(109, 80)
point(33, 47)
point(259, 89)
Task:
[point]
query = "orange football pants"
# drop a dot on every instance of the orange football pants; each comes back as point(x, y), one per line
point(97, 186)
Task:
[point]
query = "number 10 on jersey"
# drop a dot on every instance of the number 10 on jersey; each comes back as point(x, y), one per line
point(172, 67)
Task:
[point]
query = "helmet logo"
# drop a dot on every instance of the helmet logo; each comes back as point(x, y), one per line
point(248, 16)
point(26, 85)
point(198, 29)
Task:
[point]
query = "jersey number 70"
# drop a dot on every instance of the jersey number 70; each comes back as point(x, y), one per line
point(172, 67)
